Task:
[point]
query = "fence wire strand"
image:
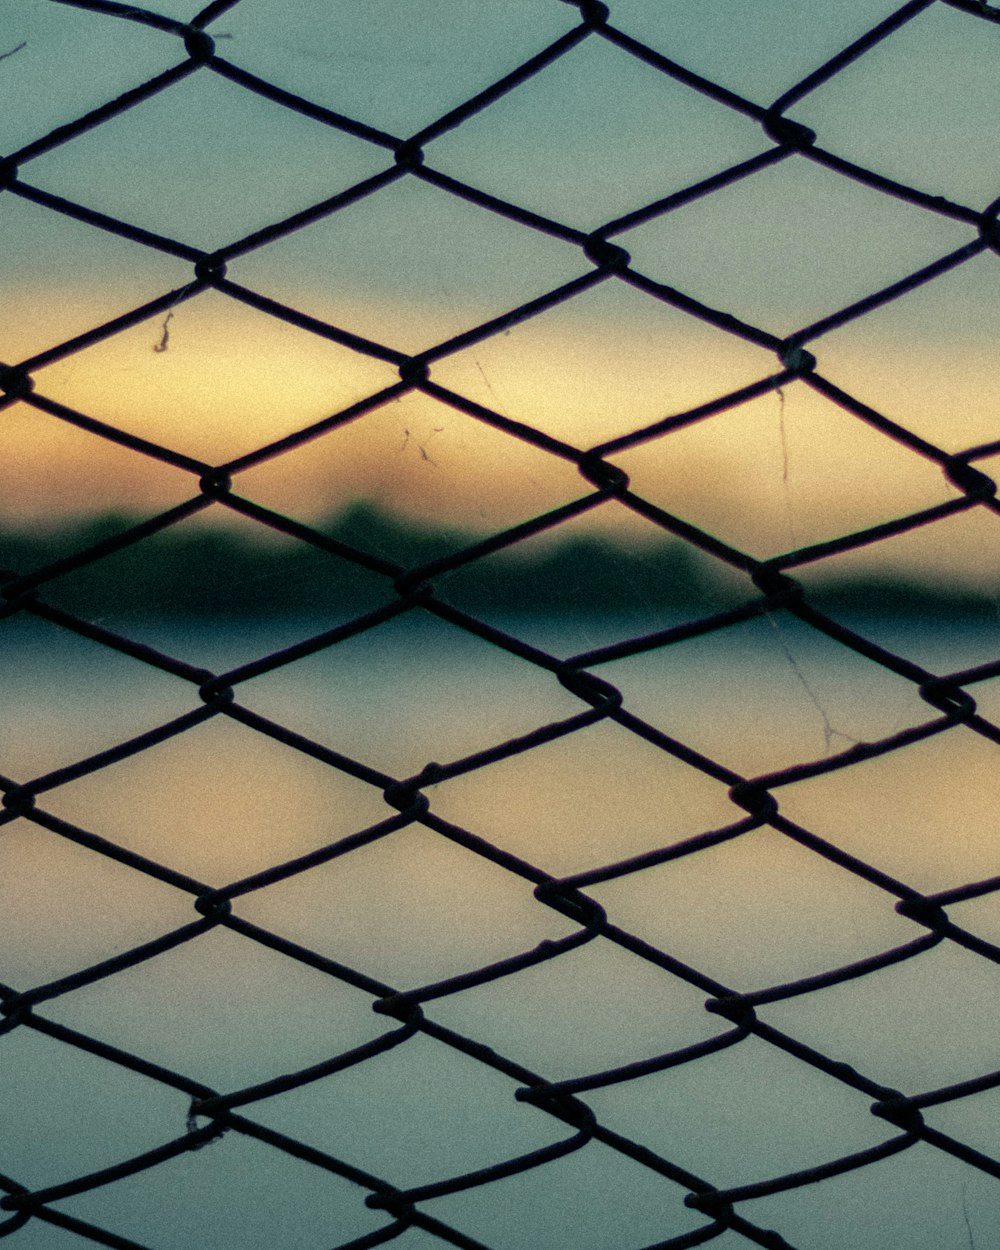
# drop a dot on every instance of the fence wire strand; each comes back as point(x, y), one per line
point(770, 589)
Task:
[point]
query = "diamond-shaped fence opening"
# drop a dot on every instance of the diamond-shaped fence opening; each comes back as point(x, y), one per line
point(412, 266)
point(597, 134)
point(499, 612)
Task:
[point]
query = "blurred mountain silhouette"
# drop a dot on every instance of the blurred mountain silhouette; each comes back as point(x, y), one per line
point(199, 570)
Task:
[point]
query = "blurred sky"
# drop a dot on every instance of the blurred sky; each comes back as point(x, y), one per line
point(595, 135)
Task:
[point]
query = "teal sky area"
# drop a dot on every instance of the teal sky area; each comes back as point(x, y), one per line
point(594, 136)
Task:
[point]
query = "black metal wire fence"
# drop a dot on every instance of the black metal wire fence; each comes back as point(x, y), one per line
point(696, 1209)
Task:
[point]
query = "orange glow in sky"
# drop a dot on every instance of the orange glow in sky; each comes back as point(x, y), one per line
point(776, 473)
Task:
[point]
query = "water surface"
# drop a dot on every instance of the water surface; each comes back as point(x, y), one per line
point(221, 802)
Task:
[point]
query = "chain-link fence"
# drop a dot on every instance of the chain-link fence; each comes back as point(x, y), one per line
point(819, 1122)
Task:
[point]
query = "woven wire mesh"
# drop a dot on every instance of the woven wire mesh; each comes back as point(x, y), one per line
point(372, 1209)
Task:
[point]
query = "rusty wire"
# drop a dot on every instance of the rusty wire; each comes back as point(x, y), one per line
point(770, 588)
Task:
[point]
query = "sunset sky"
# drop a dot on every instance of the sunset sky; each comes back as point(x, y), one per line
point(235, 789)
point(594, 136)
